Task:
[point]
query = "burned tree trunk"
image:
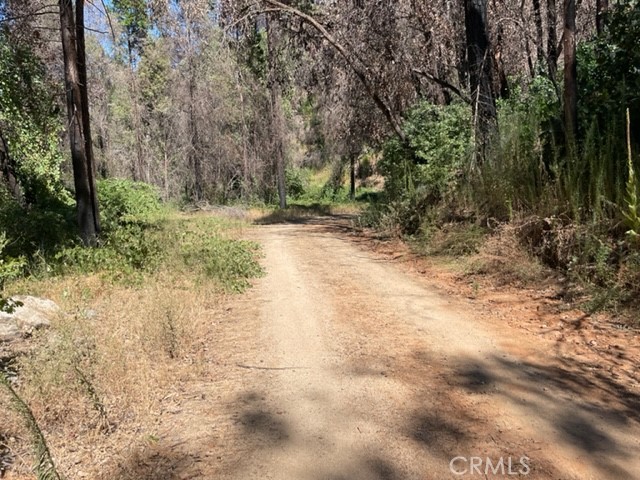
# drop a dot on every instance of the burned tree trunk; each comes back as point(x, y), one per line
point(537, 16)
point(277, 116)
point(75, 73)
point(8, 170)
point(552, 39)
point(352, 177)
point(480, 74)
point(570, 72)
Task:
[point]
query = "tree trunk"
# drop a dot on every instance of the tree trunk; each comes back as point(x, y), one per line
point(194, 153)
point(552, 39)
point(570, 72)
point(602, 6)
point(480, 74)
point(503, 81)
point(537, 17)
point(352, 175)
point(141, 172)
point(86, 117)
point(277, 117)
point(75, 73)
point(9, 171)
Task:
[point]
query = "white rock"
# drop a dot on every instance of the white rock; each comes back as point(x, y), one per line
point(9, 331)
point(35, 313)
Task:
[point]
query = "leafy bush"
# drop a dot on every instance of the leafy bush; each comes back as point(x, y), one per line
point(37, 230)
point(425, 170)
point(438, 144)
point(610, 78)
point(131, 241)
point(10, 268)
point(296, 181)
point(124, 203)
point(31, 124)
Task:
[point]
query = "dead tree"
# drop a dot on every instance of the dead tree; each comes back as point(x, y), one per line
point(7, 166)
point(570, 72)
point(277, 115)
point(75, 74)
point(480, 74)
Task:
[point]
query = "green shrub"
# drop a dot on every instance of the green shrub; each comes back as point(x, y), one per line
point(30, 123)
point(426, 169)
point(297, 182)
point(131, 238)
point(36, 230)
point(125, 203)
point(10, 267)
point(438, 144)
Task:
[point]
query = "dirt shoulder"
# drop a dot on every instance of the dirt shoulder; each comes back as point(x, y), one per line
point(599, 345)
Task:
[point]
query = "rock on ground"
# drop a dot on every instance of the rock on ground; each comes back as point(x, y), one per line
point(34, 313)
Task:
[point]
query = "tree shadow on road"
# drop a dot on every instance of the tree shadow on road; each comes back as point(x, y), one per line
point(582, 408)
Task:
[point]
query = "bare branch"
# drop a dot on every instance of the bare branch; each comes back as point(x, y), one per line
point(443, 83)
point(360, 72)
point(28, 15)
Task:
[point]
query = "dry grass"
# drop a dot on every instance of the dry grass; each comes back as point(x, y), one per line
point(100, 377)
point(503, 258)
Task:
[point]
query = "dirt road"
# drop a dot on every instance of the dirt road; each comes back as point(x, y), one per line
point(341, 365)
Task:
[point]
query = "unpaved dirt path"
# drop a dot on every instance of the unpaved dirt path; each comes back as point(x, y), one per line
point(340, 365)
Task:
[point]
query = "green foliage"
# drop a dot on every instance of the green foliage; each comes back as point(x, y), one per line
point(125, 254)
point(10, 269)
point(572, 200)
point(131, 242)
point(522, 157)
point(610, 83)
point(137, 248)
point(257, 53)
point(30, 124)
point(134, 18)
point(154, 72)
point(427, 169)
point(297, 181)
point(610, 78)
point(138, 238)
point(124, 203)
point(36, 230)
point(439, 141)
point(231, 262)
